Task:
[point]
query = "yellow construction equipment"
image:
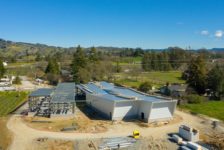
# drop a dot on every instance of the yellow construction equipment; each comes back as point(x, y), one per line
point(136, 134)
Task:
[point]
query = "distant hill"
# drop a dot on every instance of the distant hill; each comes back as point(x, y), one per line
point(20, 49)
point(218, 49)
point(10, 48)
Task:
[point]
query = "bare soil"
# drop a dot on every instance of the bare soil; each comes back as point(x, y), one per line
point(153, 135)
point(5, 135)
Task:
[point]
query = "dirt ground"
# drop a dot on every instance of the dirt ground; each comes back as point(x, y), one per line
point(92, 144)
point(82, 123)
point(5, 134)
point(25, 135)
point(28, 85)
point(87, 124)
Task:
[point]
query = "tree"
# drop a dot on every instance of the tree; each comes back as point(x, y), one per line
point(146, 62)
point(52, 67)
point(196, 74)
point(52, 71)
point(79, 61)
point(165, 65)
point(216, 81)
point(154, 61)
point(93, 56)
point(176, 55)
point(84, 75)
point(2, 69)
point(118, 67)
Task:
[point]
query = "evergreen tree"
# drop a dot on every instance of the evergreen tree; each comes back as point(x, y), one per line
point(93, 56)
point(196, 75)
point(52, 67)
point(79, 61)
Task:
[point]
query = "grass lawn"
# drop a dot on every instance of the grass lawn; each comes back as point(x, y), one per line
point(214, 109)
point(9, 101)
point(157, 78)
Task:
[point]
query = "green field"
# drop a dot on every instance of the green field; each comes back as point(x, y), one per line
point(123, 61)
point(214, 109)
point(157, 78)
point(9, 101)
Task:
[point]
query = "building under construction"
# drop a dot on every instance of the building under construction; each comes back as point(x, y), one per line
point(117, 103)
point(59, 101)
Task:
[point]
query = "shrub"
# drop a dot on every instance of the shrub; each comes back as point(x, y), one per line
point(194, 99)
point(145, 87)
point(17, 80)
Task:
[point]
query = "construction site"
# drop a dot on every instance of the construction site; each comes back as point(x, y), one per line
point(91, 133)
point(108, 117)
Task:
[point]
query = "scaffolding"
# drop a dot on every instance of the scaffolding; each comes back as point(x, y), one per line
point(58, 101)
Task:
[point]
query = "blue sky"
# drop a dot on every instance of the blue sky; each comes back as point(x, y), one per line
point(122, 23)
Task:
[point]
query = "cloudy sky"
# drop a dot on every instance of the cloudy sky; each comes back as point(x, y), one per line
point(122, 23)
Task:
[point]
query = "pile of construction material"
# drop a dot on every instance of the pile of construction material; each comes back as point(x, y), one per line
point(215, 139)
point(117, 143)
point(187, 138)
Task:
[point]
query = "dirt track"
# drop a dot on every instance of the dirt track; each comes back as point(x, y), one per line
point(24, 135)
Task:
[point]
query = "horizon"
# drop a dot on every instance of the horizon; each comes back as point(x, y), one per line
point(75, 46)
point(132, 24)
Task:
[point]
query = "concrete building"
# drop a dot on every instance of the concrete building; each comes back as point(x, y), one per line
point(117, 103)
point(59, 101)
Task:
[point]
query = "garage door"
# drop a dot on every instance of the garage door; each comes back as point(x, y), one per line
point(160, 113)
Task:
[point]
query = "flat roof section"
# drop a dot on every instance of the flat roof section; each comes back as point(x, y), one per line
point(115, 93)
point(64, 92)
point(44, 92)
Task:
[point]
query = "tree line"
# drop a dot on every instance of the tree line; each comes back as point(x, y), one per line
point(170, 59)
point(202, 79)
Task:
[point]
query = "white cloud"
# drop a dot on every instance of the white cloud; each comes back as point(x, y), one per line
point(219, 34)
point(204, 32)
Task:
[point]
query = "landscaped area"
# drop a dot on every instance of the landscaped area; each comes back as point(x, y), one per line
point(157, 78)
point(213, 109)
point(9, 101)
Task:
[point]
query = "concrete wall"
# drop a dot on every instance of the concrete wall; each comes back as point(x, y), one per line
point(162, 110)
point(125, 110)
point(105, 107)
point(118, 110)
point(144, 107)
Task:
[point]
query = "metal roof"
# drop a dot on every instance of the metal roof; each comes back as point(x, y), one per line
point(109, 91)
point(41, 92)
point(64, 92)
